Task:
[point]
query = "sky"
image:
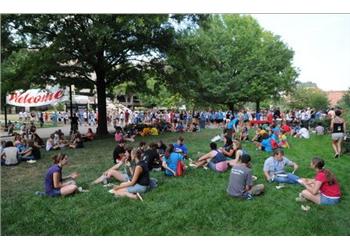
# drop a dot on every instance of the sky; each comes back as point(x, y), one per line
point(321, 43)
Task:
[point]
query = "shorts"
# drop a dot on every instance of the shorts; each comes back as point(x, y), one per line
point(328, 201)
point(337, 136)
point(125, 177)
point(137, 188)
point(212, 166)
point(54, 193)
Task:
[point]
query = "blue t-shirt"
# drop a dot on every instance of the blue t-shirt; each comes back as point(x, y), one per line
point(266, 143)
point(232, 123)
point(171, 162)
point(181, 147)
point(49, 178)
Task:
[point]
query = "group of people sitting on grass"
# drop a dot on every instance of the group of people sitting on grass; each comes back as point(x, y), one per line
point(24, 147)
point(57, 140)
point(133, 166)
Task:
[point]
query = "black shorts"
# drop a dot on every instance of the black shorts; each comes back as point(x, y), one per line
point(212, 120)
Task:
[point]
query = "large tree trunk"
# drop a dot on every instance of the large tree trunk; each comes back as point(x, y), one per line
point(101, 105)
point(231, 107)
point(257, 106)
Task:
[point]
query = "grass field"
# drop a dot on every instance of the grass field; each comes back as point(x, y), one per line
point(196, 204)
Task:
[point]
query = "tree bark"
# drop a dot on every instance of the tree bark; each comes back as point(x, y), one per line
point(102, 128)
point(257, 106)
point(231, 107)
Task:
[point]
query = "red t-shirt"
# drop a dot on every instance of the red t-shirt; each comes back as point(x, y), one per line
point(270, 117)
point(286, 128)
point(326, 189)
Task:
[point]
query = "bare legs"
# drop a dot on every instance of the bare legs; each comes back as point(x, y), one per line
point(110, 173)
point(123, 192)
point(336, 144)
point(69, 189)
point(316, 198)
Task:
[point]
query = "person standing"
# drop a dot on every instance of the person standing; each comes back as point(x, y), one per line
point(338, 129)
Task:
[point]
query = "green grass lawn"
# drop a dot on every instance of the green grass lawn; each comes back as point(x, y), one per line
point(196, 204)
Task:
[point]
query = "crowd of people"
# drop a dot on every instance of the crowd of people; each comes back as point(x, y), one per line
point(133, 167)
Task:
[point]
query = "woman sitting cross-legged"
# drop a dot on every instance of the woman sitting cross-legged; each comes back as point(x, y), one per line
point(215, 160)
point(55, 184)
point(140, 180)
point(114, 170)
point(77, 141)
point(323, 189)
point(228, 149)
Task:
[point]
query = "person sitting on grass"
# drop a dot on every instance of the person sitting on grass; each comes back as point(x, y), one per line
point(161, 147)
point(265, 144)
point(238, 152)
point(77, 141)
point(180, 147)
point(241, 180)
point(170, 160)
point(90, 136)
point(179, 128)
point(283, 140)
point(319, 129)
point(119, 136)
point(140, 180)
point(259, 134)
point(118, 152)
point(303, 132)
point(323, 189)
point(38, 141)
point(9, 155)
point(114, 170)
point(228, 149)
point(244, 133)
point(274, 168)
point(32, 152)
point(142, 147)
point(151, 156)
point(215, 160)
point(55, 184)
point(50, 143)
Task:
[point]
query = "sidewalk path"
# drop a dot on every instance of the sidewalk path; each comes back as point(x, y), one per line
point(46, 132)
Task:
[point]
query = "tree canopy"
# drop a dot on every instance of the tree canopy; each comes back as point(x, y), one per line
point(85, 50)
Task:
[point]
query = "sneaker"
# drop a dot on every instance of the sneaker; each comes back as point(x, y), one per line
point(108, 185)
point(305, 208)
point(81, 190)
point(280, 186)
point(336, 155)
point(300, 198)
point(38, 193)
point(105, 181)
point(254, 178)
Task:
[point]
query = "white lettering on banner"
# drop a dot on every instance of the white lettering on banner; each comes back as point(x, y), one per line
point(35, 97)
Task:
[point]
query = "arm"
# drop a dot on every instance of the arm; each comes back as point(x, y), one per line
point(205, 157)
point(138, 171)
point(267, 176)
point(56, 181)
point(166, 167)
point(73, 175)
point(331, 126)
point(314, 189)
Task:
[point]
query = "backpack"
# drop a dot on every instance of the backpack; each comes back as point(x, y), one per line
point(180, 168)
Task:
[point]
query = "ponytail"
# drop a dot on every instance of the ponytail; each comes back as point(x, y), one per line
point(57, 158)
point(319, 164)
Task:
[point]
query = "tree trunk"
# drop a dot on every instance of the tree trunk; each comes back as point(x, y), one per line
point(231, 107)
point(101, 105)
point(257, 106)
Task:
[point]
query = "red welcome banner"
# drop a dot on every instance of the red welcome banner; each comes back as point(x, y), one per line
point(35, 97)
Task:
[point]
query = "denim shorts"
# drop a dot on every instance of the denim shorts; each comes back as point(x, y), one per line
point(54, 193)
point(137, 188)
point(212, 166)
point(328, 201)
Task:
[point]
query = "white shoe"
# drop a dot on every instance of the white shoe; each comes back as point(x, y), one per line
point(280, 186)
point(81, 190)
point(305, 208)
point(254, 178)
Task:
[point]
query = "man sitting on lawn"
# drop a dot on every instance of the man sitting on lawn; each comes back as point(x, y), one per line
point(274, 168)
point(241, 180)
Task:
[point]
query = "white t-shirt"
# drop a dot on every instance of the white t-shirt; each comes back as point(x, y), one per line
point(11, 155)
point(304, 133)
